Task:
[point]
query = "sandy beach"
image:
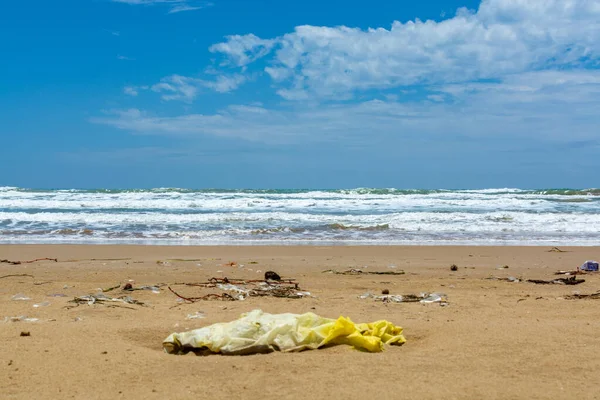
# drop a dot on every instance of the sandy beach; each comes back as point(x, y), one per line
point(495, 339)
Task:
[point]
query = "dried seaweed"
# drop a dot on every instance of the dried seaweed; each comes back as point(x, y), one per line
point(239, 289)
point(100, 298)
point(556, 250)
point(28, 261)
point(560, 281)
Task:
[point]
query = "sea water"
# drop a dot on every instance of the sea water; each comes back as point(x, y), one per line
point(353, 216)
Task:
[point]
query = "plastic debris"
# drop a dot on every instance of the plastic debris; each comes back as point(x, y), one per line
point(196, 315)
point(259, 332)
point(574, 272)
point(20, 318)
point(20, 297)
point(42, 304)
point(589, 265)
point(435, 298)
point(100, 298)
point(509, 279)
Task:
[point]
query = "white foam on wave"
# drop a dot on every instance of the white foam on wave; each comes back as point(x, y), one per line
point(362, 215)
point(323, 201)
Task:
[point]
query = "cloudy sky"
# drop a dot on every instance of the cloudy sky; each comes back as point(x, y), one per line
point(300, 94)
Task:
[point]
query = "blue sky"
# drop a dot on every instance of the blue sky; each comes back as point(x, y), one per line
point(311, 94)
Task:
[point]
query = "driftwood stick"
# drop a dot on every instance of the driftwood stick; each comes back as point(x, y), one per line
point(28, 261)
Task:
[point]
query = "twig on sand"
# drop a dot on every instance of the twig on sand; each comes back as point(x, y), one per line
point(8, 276)
point(593, 296)
point(97, 259)
point(354, 271)
point(28, 261)
point(111, 288)
point(560, 281)
point(211, 296)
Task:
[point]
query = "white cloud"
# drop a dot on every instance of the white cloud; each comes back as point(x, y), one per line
point(182, 7)
point(130, 90)
point(175, 6)
point(178, 87)
point(225, 84)
point(514, 69)
point(242, 50)
point(502, 37)
point(537, 106)
point(125, 58)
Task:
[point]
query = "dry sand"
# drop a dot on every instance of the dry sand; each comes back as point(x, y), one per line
point(495, 339)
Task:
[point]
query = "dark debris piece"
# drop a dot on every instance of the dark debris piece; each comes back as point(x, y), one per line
point(272, 276)
point(560, 281)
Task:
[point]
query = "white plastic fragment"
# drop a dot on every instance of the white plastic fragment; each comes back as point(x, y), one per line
point(20, 318)
point(196, 315)
point(434, 298)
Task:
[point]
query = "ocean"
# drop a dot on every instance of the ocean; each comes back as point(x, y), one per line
point(324, 217)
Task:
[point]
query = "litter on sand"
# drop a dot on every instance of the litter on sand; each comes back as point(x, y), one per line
point(573, 272)
point(20, 297)
point(239, 289)
point(101, 298)
point(589, 265)
point(409, 298)
point(196, 315)
point(259, 332)
point(560, 281)
point(509, 279)
point(20, 318)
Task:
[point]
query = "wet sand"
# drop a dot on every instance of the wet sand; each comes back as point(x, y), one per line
point(495, 339)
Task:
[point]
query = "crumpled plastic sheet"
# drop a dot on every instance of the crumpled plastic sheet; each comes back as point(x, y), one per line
point(259, 332)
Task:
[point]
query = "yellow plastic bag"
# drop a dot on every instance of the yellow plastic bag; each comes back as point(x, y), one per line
point(259, 332)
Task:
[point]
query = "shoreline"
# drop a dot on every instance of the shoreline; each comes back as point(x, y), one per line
point(297, 245)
